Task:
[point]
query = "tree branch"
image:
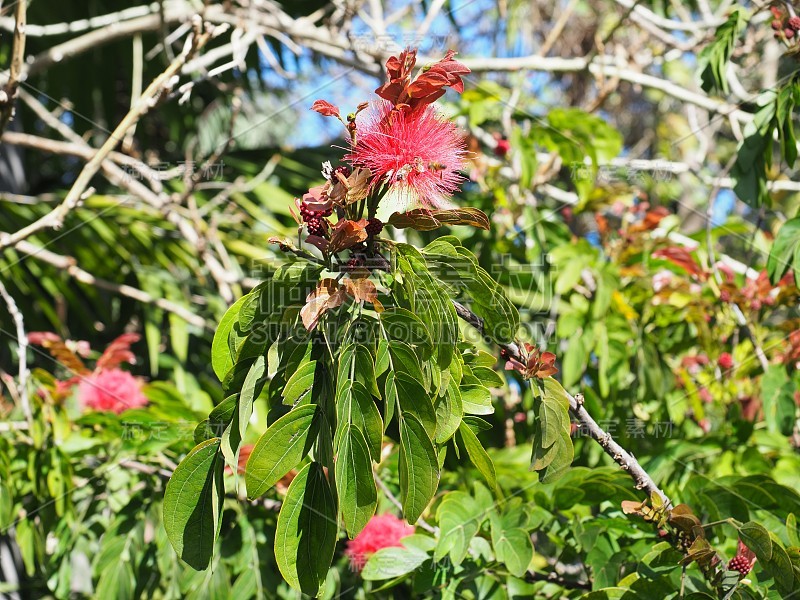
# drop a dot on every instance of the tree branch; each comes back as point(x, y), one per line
point(55, 218)
point(22, 353)
point(620, 456)
point(69, 265)
point(9, 94)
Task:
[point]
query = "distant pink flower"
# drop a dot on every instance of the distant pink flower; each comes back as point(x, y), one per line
point(725, 361)
point(418, 152)
point(382, 531)
point(112, 390)
point(661, 280)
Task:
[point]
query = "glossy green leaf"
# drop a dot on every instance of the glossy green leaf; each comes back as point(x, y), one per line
point(389, 563)
point(282, 446)
point(305, 536)
point(358, 496)
point(234, 433)
point(355, 405)
point(418, 466)
point(193, 504)
point(756, 537)
point(221, 356)
point(477, 455)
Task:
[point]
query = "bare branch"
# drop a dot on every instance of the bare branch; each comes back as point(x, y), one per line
point(70, 266)
point(9, 94)
point(22, 353)
point(620, 456)
point(55, 218)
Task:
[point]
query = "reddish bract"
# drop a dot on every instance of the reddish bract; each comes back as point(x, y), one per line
point(430, 85)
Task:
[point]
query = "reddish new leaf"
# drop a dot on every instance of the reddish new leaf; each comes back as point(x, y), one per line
point(59, 350)
point(426, 220)
point(118, 352)
point(681, 257)
point(347, 233)
point(327, 295)
point(325, 108)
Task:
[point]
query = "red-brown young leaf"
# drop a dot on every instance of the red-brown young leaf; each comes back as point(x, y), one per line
point(59, 350)
point(347, 233)
point(681, 257)
point(451, 70)
point(118, 352)
point(325, 108)
point(426, 84)
point(327, 295)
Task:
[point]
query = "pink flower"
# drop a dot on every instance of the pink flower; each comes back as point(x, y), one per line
point(417, 152)
point(743, 561)
point(725, 361)
point(502, 147)
point(112, 390)
point(382, 531)
point(661, 280)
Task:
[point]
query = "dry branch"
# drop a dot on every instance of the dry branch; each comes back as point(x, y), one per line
point(622, 457)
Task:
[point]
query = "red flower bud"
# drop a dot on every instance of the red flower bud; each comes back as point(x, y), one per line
point(502, 148)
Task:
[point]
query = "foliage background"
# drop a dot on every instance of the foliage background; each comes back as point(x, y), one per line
point(640, 333)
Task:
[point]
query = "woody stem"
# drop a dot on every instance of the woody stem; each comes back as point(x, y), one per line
point(622, 457)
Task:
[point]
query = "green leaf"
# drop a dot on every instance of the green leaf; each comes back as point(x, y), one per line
point(389, 563)
point(358, 496)
point(478, 455)
point(552, 445)
point(221, 356)
point(282, 446)
point(792, 530)
point(402, 325)
point(512, 546)
point(779, 566)
point(713, 60)
point(300, 382)
point(777, 392)
point(193, 504)
point(459, 518)
point(757, 539)
point(412, 399)
point(404, 360)
point(784, 252)
point(449, 412)
point(305, 536)
point(234, 433)
point(116, 581)
point(417, 290)
point(418, 466)
point(476, 400)
point(356, 363)
point(355, 405)
point(488, 377)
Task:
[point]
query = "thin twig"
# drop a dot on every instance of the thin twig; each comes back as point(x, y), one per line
point(620, 456)
point(22, 353)
point(55, 218)
point(9, 94)
point(69, 265)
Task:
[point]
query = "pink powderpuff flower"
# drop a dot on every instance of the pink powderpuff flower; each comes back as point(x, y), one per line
point(417, 152)
point(112, 390)
point(382, 531)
